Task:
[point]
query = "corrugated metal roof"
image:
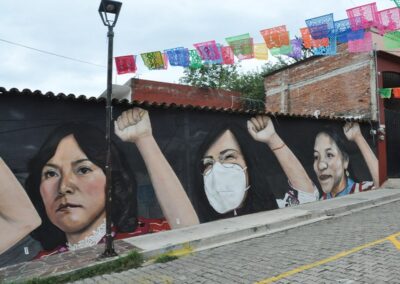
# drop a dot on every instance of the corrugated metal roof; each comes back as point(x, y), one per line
point(84, 99)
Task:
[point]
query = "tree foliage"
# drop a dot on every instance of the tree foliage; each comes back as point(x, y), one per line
point(228, 77)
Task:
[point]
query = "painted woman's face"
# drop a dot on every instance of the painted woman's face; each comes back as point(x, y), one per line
point(329, 164)
point(224, 150)
point(224, 174)
point(73, 189)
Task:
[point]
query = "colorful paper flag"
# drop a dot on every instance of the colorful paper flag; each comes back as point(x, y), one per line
point(296, 52)
point(309, 42)
point(396, 93)
point(260, 51)
point(392, 40)
point(385, 93)
point(327, 50)
point(361, 45)
point(125, 64)
point(390, 19)
point(165, 59)
point(397, 2)
point(209, 51)
point(228, 57)
point(342, 29)
point(276, 37)
point(195, 59)
point(153, 60)
point(242, 46)
point(363, 17)
point(321, 27)
point(178, 56)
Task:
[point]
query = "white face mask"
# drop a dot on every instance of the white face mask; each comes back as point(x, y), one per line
point(225, 186)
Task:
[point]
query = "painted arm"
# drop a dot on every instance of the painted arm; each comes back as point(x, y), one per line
point(353, 133)
point(134, 126)
point(262, 129)
point(18, 217)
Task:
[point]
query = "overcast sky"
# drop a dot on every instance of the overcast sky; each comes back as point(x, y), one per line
point(73, 28)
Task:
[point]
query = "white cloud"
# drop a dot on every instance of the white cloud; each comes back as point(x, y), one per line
point(73, 28)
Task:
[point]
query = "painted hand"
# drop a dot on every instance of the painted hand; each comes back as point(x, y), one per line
point(352, 130)
point(133, 124)
point(261, 128)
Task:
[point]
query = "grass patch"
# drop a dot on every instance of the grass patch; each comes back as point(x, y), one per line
point(165, 258)
point(132, 260)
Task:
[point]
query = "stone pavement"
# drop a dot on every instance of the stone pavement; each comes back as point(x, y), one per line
point(199, 238)
point(307, 250)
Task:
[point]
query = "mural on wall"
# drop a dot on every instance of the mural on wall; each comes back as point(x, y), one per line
point(172, 168)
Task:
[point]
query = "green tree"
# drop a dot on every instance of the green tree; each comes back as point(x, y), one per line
point(249, 84)
point(213, 76)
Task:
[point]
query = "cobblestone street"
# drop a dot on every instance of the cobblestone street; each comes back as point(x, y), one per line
point(307, 254)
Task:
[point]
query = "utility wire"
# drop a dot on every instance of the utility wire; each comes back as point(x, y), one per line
point(51, 53)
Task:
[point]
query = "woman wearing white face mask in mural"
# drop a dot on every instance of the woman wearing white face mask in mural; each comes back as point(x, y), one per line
point(332, 164)
point(233, 173)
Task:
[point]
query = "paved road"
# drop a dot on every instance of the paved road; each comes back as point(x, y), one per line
point(363, 247)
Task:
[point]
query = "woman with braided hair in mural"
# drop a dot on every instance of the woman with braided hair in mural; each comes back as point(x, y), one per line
point(332, 164)
point(67, 185)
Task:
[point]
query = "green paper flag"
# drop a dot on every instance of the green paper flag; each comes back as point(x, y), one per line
point(392, 40)
point(385, 93)
point(195, 59)
point(153, 60)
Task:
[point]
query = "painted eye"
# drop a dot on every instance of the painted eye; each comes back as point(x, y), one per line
point(229, 157)
point(330, 155)
point(315, 157)
point(206, 164)
point(50, 174)
point(84, 170)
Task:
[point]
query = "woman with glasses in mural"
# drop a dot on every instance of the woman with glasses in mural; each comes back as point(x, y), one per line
point(232, 177)
point(332, 164)
point(67, 185)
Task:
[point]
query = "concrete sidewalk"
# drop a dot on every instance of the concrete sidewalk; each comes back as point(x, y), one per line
point(204, 236)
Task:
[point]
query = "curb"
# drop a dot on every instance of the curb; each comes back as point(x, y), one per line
point(229, 232)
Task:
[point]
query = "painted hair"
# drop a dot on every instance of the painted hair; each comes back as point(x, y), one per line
point(92, 142)
point(337, 135)
point(335, 132)
point(259, 197)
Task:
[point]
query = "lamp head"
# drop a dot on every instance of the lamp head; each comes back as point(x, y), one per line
point(109, 12)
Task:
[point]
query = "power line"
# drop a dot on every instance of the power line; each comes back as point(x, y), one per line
point(51, 53)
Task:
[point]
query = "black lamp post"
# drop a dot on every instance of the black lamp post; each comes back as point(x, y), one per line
point(109, 11)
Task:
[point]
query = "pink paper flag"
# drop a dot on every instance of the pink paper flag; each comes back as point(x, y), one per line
point(125, 64)
point(363, 17)
point(208, 51)
point(227, 55)
point(361, 45)
point(390, 19)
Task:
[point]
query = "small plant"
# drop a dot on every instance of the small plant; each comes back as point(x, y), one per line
point(165, 258)
point(132, 260)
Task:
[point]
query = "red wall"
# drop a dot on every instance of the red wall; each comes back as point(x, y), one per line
point(159, 92)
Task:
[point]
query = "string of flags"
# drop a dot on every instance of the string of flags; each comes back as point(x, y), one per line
point(387, 93)
point(321, 35)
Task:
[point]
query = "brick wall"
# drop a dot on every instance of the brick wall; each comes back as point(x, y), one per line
point(335, 85)
point(160, 92)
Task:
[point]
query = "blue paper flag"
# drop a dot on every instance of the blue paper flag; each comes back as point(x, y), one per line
point(321, 27)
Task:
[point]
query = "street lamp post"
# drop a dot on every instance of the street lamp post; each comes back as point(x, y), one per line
point(109, 11)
